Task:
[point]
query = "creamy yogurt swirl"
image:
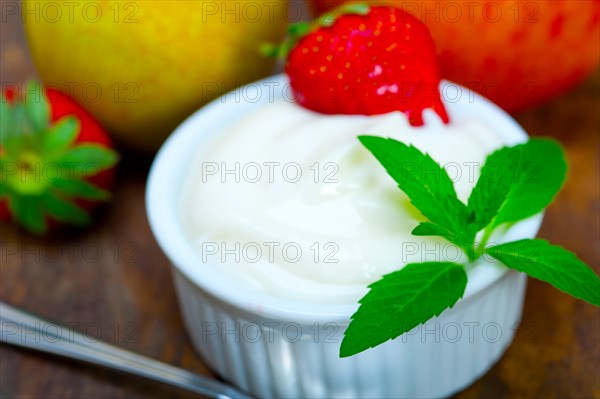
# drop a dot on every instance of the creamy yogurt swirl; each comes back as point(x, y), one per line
point(289, 201)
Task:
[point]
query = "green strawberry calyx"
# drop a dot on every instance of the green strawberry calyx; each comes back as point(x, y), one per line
point(42, 168)
point(298, 30)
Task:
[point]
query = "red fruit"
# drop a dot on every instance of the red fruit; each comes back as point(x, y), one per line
point(517, 53)
point(369, 60)
point(57, 161)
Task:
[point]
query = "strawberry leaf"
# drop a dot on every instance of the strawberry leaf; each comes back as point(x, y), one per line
point(37, 107)
point(61, 135)
point(12, 139)
point(88, 159)
point(81, 189)
point(4, 188)
point(552, 264)
point(6, 120)
point(11, 150)
point(402, 300)
point(329, 18)
point(298, 30)
point(64, 211)
point(8, 169)
point(28, 212)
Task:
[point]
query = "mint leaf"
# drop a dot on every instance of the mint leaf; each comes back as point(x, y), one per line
point(88, 159)
point(61, 135)
point(430, 229)
point(37, 107)
point(542, 172)
point(81, 189)
point(552, 264)
point(497, 178)
point(427, 185)
point(401, 301)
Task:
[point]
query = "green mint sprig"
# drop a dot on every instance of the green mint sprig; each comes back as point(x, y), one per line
point(515, 183)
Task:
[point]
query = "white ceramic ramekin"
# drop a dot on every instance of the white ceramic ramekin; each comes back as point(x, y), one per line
point(273, 347)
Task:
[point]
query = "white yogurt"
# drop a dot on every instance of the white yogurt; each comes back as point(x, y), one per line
point(325, 234)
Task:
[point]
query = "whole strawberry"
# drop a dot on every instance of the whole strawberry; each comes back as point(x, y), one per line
point(365, 60)
point(56, 161)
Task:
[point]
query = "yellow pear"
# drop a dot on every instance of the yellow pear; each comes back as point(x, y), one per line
point(140, 67)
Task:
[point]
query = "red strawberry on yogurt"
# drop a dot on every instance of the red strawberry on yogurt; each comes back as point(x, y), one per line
point(365, 60)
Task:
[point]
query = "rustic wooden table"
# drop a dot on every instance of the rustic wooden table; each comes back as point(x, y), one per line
point(113, 282)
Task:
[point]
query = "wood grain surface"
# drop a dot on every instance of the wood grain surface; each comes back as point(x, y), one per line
point(114, 283)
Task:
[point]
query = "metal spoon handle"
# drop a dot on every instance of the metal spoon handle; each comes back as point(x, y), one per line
point(22, 329)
